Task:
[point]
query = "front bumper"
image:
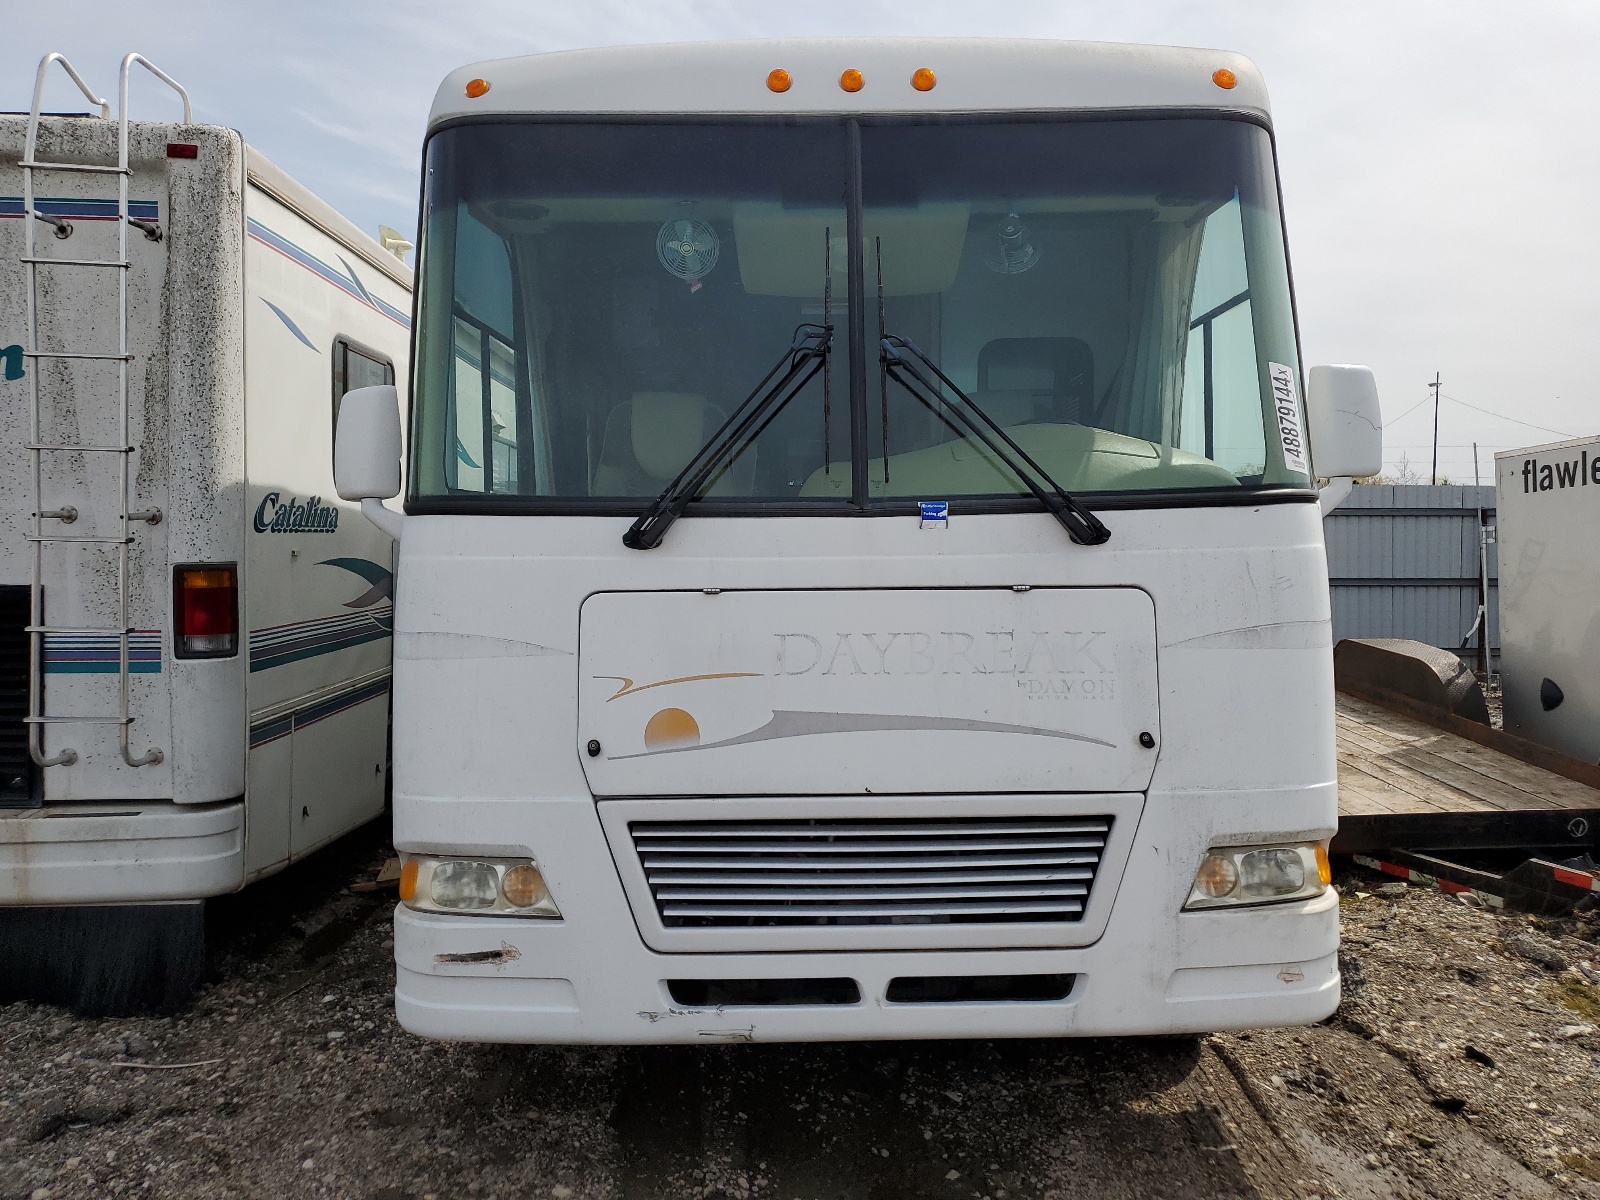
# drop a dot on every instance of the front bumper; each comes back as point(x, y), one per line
point(591, 978)
point(120, 853)
point(547, 987)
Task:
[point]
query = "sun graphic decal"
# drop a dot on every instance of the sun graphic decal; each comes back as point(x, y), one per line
point(671, 729)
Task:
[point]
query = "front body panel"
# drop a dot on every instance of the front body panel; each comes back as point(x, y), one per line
point(495, 694)
point(489, 673)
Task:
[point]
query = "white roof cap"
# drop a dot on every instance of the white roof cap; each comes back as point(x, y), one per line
point(1547, 447)
point(974, 75)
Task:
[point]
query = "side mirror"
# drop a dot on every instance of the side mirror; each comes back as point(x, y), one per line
point(366, 444)
point(1346, 423)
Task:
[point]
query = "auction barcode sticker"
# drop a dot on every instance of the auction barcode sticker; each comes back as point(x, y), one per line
point(1287, 405)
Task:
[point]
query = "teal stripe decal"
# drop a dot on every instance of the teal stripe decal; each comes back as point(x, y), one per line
point(282, 726)
point(327, 644)
point(101, 653)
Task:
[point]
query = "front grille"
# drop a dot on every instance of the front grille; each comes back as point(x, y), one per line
point(716, 874)
point(16, 769)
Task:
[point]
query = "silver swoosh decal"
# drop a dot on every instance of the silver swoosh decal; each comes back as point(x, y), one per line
point(789, 724)
point(423, 644)
point(1279, 635)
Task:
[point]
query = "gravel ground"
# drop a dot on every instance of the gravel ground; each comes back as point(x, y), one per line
point(1463, 1063)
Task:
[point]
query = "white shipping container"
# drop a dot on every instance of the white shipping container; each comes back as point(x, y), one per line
point(1549, 536)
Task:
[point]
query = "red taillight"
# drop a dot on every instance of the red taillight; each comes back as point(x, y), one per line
point(183, 150)
point(205, 611)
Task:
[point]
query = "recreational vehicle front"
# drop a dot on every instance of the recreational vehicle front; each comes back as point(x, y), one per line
point(863, 571)
point(195, 629)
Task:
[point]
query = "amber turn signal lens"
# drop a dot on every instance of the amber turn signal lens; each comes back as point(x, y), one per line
point(779, 81)
point(851, 80)
point(523, 886)
point(1224, 78)
point(408, 880)
point(1217, 876)
point(923, 79)
point(478, 87)
point(1324, 867)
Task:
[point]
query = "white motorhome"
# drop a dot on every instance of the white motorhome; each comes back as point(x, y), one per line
point(863, 571)
point(1546, 499)
point(196, 631)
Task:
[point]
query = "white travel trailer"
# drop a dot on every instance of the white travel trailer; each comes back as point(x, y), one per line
point(863, 571)
point(196, 632)
point(1546, 499)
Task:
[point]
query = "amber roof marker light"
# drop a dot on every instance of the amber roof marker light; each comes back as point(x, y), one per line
point(923, 79)
point(477, 87)
point(1224, 78)
point(779, 81)
point(852, 80)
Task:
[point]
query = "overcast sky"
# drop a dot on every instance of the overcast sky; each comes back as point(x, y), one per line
point(1439, 159)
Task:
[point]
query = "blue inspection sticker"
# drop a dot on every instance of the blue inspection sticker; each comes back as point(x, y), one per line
point(935, 513)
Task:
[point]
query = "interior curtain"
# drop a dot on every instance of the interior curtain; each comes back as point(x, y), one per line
point(1172, 254)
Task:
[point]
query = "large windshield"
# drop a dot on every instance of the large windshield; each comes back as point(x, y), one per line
point(597, 297)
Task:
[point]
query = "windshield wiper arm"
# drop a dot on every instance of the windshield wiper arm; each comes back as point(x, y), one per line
point(807, 354)
point(902, 361)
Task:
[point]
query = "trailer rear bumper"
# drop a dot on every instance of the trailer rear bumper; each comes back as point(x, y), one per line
point(110, 853)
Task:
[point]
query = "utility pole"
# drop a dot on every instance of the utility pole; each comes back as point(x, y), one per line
point(1483, 572)
point(1435, 386)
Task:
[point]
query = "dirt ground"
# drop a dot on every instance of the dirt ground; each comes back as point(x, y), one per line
point(1464, 1063)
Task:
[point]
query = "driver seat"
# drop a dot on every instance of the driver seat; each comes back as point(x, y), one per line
point(1047, 380)
point(651, 436)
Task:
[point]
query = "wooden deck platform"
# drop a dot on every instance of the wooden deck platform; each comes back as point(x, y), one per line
point(1407, 784)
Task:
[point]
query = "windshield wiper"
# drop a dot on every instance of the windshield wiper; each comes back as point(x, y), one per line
point(900, 359)
point(807, 354)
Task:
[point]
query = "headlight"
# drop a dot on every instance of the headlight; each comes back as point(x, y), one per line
point(1235, 875)
point(486, 887)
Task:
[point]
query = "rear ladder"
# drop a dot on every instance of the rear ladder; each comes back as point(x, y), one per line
point(123, 450)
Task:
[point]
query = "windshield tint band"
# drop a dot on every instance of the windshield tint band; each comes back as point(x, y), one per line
point(517, 506)
point(1013, 117)
point(607, 281)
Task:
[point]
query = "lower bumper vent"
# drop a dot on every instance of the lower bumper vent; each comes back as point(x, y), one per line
point(717, 874)
point(978, 989)
point(743, 993)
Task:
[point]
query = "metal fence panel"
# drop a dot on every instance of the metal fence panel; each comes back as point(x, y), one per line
point(1403, 562)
